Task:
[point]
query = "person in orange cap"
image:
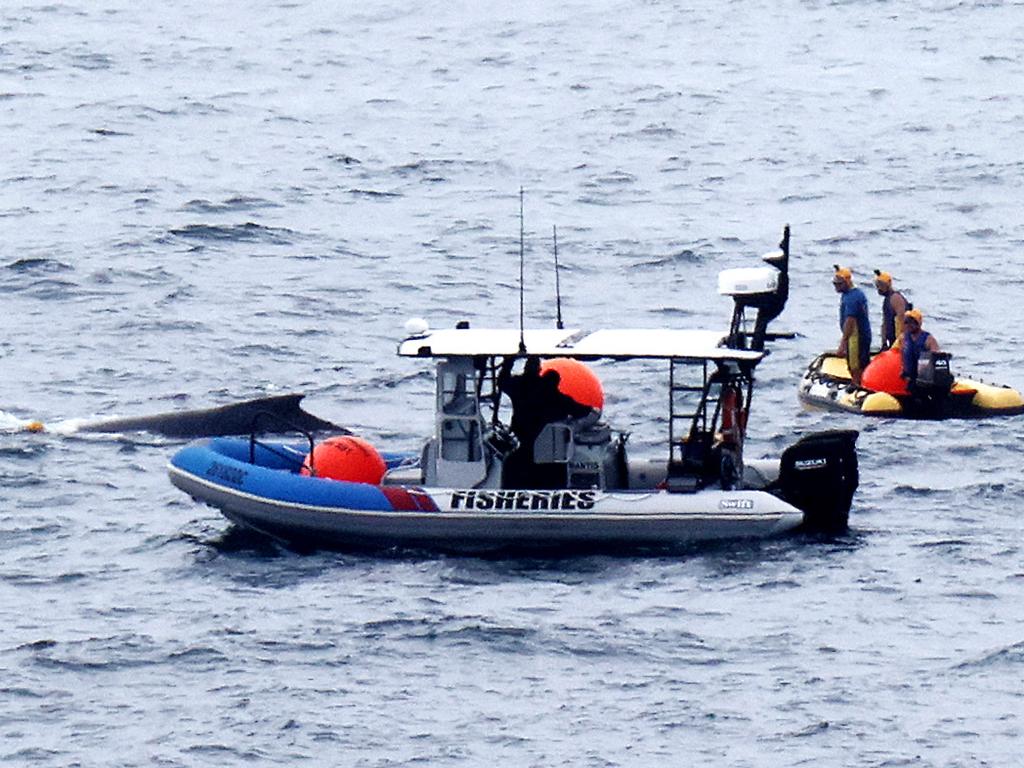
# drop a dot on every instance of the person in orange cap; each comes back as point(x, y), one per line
point(894, 305)
point(855, 344)
point(915, 341)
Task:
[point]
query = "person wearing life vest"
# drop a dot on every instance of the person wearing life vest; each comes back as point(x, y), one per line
point(894, 306)
point(855, 344)
point(728, 443)
point(733, 421)
point(915, 341)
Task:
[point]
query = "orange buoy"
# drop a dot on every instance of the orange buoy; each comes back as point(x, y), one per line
point(347, 458)
point(576, 380)
point(883, 373)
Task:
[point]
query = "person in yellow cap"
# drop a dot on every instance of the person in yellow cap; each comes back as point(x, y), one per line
point(894, 305)
point(855, 344)
point(915, 341)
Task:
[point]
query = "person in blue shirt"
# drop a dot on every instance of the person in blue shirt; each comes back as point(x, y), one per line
point(855, 343)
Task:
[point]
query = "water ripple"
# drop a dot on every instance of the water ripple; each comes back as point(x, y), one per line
point(241, 233)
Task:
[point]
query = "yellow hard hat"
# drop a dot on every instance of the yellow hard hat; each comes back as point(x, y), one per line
point(842, 275)
point(882, 278)
point(915, 315)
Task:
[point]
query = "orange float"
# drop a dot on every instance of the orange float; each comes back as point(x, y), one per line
point(576, 380)
point(883, 373)
point(347, 458)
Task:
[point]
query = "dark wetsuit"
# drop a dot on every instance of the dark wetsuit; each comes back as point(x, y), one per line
point(536, 402)
point(889, 319)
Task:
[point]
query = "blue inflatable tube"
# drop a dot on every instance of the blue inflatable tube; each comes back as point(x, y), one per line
point(274, 474)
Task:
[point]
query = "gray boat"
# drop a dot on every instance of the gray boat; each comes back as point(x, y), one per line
point(490, 479)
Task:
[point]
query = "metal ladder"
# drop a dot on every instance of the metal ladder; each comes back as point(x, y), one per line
point(689, 433)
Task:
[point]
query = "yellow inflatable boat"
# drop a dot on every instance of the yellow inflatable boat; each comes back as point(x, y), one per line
point(826, 384)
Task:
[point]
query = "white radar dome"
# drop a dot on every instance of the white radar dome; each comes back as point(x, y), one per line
point(416, 326)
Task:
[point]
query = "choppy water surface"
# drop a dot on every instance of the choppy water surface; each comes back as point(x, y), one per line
point(209, 201)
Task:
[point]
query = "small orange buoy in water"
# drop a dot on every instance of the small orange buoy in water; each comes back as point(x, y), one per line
point(35, 426)
point(576, 380)
point(883, 373)
point(347, 458)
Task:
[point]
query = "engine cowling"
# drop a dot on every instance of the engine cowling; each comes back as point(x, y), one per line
point(818, 475)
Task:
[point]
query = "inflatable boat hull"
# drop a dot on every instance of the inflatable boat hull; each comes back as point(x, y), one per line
point(826, 384)
point(270, 496)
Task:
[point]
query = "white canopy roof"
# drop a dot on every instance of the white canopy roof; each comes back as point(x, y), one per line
point(618, 344)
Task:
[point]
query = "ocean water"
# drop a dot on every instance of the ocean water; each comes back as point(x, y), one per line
point(206, 202)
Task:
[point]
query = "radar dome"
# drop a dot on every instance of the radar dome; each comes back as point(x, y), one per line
point(416, 326)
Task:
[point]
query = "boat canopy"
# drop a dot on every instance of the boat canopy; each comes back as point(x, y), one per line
point(617, 344)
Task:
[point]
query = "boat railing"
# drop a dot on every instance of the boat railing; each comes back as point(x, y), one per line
point(260, 421)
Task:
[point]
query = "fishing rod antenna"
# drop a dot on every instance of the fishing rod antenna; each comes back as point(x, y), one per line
point(522, 260)
point(558, 289)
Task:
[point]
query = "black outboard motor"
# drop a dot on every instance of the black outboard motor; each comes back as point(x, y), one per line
point(933, 371)
point(818, 475)
point(931, 387)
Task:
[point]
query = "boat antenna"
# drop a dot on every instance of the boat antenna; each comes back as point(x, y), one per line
point(522, 259)
point(558, 290)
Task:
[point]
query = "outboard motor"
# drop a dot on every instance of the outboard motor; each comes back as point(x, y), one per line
point(818, 475)
point(933, 371)
point(931, 389)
